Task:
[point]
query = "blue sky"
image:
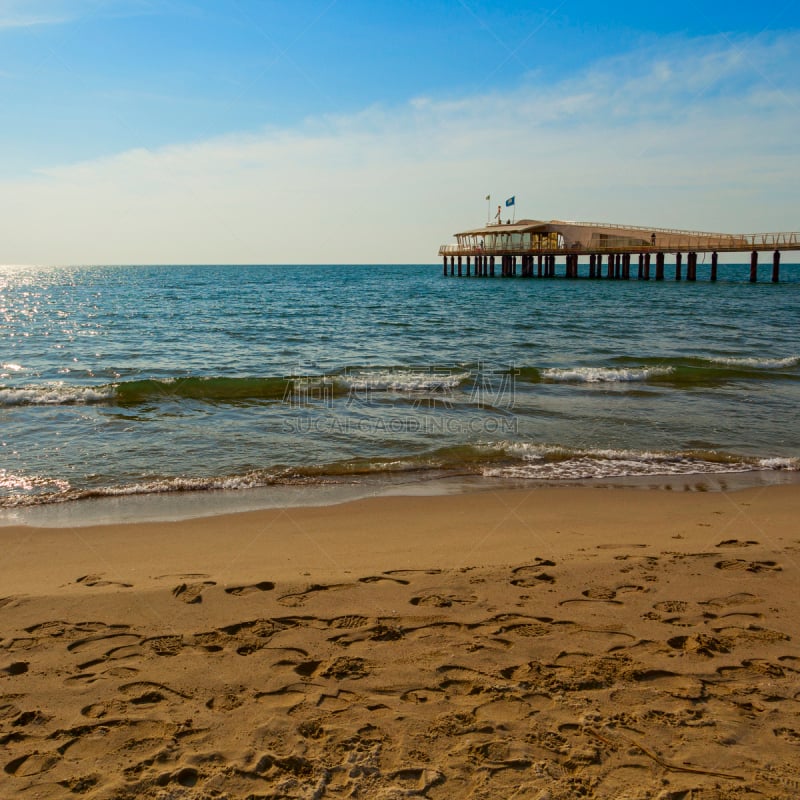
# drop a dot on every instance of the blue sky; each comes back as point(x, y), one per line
point(223, 131)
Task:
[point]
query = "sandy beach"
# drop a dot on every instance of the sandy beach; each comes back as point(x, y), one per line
point(554, 643)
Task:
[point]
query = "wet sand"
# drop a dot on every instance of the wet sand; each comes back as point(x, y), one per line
point(554, 643)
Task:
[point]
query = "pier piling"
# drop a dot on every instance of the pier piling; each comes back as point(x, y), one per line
point(678, 260)
point(714, 259)
point(754, 266)
point(659, 266)
point(776, 266)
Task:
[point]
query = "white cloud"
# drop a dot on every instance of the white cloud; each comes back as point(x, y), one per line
point(704, 138)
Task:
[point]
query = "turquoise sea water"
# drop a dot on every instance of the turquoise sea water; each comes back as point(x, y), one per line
point(123, 380)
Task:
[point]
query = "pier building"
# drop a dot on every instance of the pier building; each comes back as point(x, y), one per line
point(534, 246)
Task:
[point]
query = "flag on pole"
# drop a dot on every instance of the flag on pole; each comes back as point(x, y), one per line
point(488, 197)
point(510, 201)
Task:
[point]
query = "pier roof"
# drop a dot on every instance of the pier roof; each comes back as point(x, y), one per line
point(523, 226)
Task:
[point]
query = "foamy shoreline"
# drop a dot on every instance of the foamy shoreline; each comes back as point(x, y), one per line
point(171, 506)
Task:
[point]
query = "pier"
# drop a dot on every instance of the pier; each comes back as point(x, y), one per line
point(532, 247)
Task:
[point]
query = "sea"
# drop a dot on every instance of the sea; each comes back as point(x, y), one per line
point(236, 384)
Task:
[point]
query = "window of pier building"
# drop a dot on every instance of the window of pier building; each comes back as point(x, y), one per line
point(610, 240)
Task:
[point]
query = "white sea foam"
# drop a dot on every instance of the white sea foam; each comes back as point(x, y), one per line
point(55, 394)
point(584, 467)
point(787, 464)
point(536, 452)
point(186, 485)
point(9, 481)
point(603, 374)
point(553, 463)
point(402, 380)
point(37, 490)
point(760, 363)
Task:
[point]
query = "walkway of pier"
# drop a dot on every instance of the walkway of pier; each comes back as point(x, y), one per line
point(611, 249)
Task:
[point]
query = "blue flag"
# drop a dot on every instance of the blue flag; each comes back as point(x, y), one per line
point(510, 201)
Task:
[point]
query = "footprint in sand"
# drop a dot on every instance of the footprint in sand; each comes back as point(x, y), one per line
point(344, 667)
point(165, 645)
point(98, 580)
point(737, 543)
point(36, 717)
point(415, 781)
point(210, 641)
point(113, 635)
point(15, 668)
point(738, 599)
point(596, 594)
point(376, 578)
point(789, 734)
point(299, 598)
point(349, 621)
point(528, 629)
point(104, 709)
point(441, 600)
point(248, 637)
point(375, 633)
point(148, 692)
point(262, 628)
point(672, 606)
point(191, 592)
point(748, 566)
point(600, 593)
point(32, 764)
point(115, 672)
point(227, 701)
point(531, 575)
point(702, 644)
point(262, 586)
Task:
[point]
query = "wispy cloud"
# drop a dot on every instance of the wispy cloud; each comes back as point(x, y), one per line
point(28, 21)
point(35, 13)
point(703, 138)
point(30, 13)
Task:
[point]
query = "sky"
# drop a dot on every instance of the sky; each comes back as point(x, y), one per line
point(348, 131)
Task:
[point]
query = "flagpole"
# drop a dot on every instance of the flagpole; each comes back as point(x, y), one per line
point(488, 208)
